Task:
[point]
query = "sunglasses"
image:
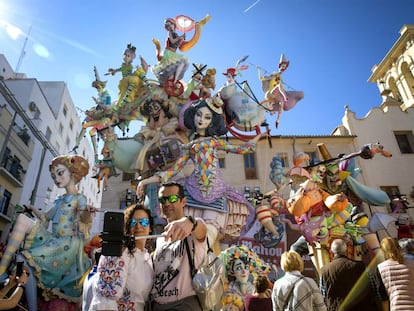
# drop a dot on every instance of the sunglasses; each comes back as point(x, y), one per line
point(142, 221)
point(171, 198)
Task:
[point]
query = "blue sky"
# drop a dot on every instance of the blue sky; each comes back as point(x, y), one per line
point(331, 45)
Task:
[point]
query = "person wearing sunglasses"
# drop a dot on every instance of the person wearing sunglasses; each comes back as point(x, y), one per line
point(173, 289)
point(125, 282)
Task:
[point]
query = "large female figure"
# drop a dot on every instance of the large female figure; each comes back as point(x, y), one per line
point(224, 209)
point(56, 257)
point(125, 281)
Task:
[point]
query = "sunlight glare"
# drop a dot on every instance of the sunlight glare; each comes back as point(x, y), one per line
point(41, 50)
point(13, 31)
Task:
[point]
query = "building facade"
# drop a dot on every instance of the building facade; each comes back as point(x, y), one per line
point(394, 75)
point(48, 117)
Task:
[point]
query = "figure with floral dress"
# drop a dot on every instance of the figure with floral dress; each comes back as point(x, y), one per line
point(55, 258)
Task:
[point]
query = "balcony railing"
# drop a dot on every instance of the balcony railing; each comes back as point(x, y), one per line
point(12, 168)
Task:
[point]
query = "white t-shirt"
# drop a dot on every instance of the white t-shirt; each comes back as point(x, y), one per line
point(173, 279)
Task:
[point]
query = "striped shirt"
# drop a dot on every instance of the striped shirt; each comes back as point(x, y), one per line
point(399, 284)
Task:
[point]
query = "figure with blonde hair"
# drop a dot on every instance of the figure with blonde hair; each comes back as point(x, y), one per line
point(55, 258)
point(294, 291)
point(397, 279)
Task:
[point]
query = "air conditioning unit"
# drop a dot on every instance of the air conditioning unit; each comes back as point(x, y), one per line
point(33, 106)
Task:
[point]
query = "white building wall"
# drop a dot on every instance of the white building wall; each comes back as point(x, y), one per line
point(379, 125)
point(49, 99)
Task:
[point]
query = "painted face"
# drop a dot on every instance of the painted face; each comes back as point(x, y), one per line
point(61, 175)
point(128, 57)
point(169, 26)
point(141, 221)
point(230, 78)
point(240, 271)
point(332, 176)
point(318, 173)
point(171, 210)
point(157, 116)
point(203, 118)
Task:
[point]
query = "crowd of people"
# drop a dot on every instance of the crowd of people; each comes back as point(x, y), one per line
point(161, 280)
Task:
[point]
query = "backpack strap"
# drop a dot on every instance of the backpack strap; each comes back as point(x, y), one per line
point(291, 291)
point(193, 270)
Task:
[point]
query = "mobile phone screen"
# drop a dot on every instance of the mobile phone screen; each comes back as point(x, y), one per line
point(19, 268)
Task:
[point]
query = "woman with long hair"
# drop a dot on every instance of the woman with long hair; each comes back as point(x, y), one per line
point(397, 288)
point(125, 281)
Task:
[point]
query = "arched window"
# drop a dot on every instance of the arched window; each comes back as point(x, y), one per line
point(408, 75)
point(394, 90)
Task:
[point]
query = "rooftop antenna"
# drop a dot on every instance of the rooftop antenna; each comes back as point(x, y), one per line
point(23, 52)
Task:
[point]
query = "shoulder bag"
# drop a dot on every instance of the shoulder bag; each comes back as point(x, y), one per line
point(209, 279)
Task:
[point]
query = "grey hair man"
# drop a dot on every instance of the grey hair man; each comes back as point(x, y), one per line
point(340, 278)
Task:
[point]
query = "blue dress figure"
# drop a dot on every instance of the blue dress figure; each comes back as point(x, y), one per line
point(55, 258)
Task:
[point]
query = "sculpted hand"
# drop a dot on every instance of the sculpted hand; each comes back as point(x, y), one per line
point(140, 192)
point(258, 137)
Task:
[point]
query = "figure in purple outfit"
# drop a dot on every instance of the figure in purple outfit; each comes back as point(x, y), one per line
point(225, 210)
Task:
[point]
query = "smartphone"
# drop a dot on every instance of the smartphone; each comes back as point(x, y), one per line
point(19, 268)
point(113, 222)
point(113, 234)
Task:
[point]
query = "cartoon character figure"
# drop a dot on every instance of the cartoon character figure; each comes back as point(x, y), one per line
point(55, 258)
point(277, 98)
point(172, 66)
point(242, 112)
point(158, 132)
point(98, 118)
point(132, 79)
point(200, 84)
point(106, 168)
